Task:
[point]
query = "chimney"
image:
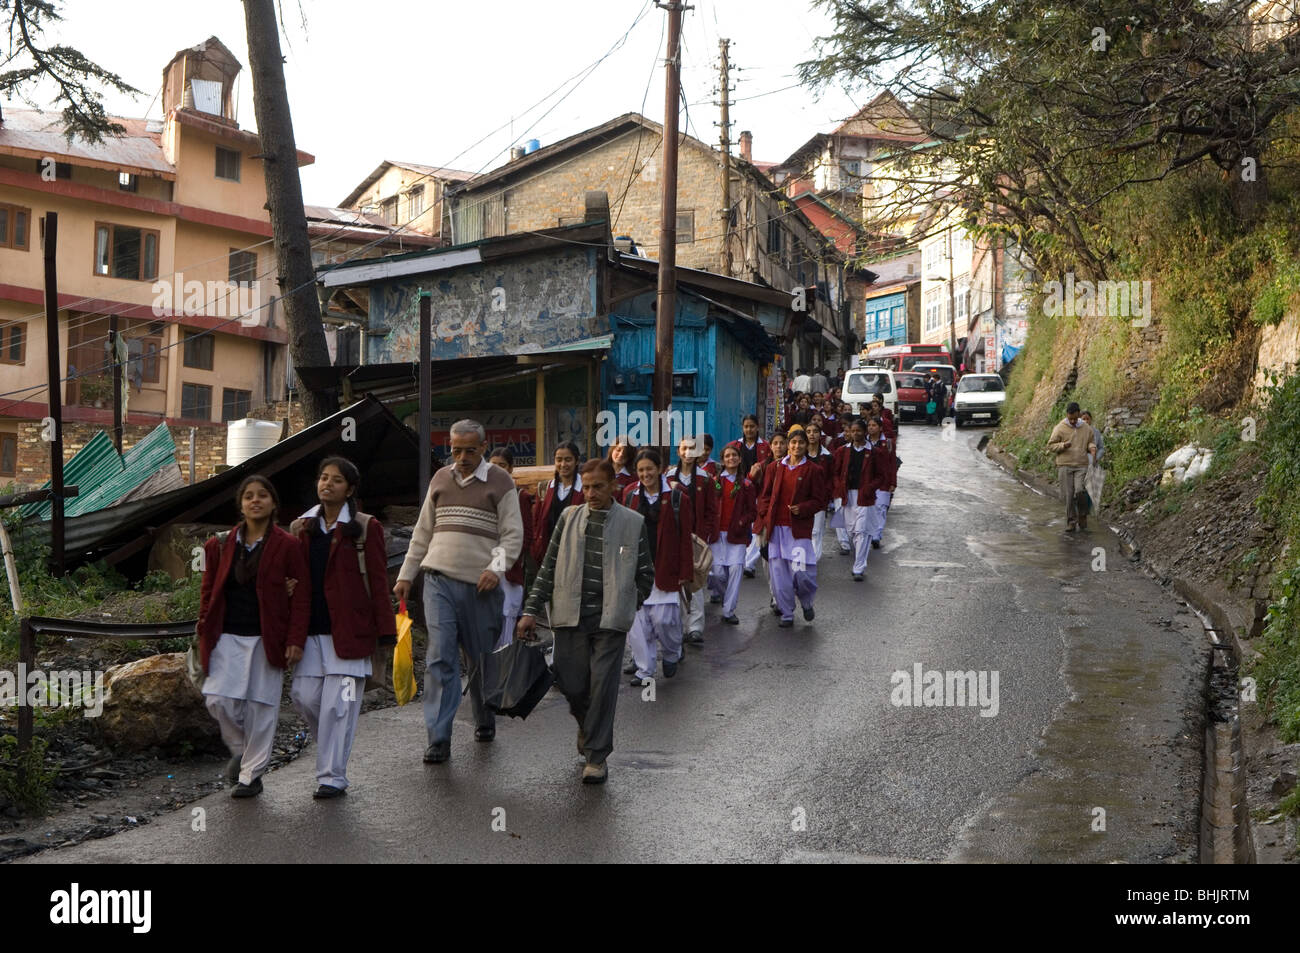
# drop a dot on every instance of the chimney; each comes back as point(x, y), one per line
point(747, 146)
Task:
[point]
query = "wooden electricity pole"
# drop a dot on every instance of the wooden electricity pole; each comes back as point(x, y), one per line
point(725, 143)
point(666, 302)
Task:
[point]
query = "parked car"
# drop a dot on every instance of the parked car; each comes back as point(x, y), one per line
point(863, 383)
point(979, 399)
point(911, 395)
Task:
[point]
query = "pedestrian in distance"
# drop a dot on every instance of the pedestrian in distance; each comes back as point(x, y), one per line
point(792, 496)
point(854, 488)
point(1071, 441)
point(754, 452)
point(936, 392)
point(737, 510)
point(565, 489)
point(351, 616)
point(669, 522)
point(622, 457)
point(885, 463)
point(1096, 436)
point(254, 604)
point(512, 585)
point(699, 492)
point(819, 456)
point(596, 574)
point(468, 535)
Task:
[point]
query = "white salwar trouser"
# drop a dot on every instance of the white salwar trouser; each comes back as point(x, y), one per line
point(818, 533)
point(692, 607)
point(242, 692)
point(510, 608)
point(752, 554)
point(327, 691)
point(860, 524)
point(881, 510)
point(724, 577)
point(792, 569)
point(842, 535)
point(659, 620)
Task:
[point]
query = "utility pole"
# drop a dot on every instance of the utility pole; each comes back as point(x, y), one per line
point(424, 424)
point(666, 302)
point(55, 417)
point(725, 143)
point(952, 310)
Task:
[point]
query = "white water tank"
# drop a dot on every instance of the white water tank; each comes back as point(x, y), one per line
point(248, 437)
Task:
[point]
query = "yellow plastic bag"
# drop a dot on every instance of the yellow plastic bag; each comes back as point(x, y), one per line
point(403, 660)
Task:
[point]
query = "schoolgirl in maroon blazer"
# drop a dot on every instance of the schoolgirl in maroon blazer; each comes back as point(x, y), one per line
point(794, 493)
point(563, 491)
point(658, 623)
point(351, 617)
point(254, 605)
point(737, 510)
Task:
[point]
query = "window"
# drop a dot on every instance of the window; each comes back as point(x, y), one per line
point(15, 227)
point(127, 181)
point(243, 267)
point(935, 299)
point(227, 164)
point(774, 235)
point(8, 454)
point(897, 318)
point(196, 401)
point(960, 303)
point(123, 251)
point(571, 220)
point(933, 256)
point(198, 350)
point(13, 344)
point(235, 404)
point(62, 170)
point(684, 385)
point(143, 360)
point(415, 203)
point(390, 210)
point(686, 227)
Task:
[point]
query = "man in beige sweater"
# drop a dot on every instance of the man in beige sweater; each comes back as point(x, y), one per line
point(469, 534)
point(1071, 441)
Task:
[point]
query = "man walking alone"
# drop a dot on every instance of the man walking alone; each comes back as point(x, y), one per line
point(469, 534)
point(1071, 440)
point(596, 574)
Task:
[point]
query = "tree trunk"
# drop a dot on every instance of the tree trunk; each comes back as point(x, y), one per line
point(296, 277)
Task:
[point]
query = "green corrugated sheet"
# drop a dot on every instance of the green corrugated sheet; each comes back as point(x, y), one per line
point(103, 477)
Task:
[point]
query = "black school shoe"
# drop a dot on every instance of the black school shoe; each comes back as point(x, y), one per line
point(325, 792)
point(809, 614)
point(437, 753)
point(629, 668)
point(875, 544)
point(730, 620)
point(248, 790)
point(786, 623)
point(748, 573)
point(485, 734)
point(694, 638)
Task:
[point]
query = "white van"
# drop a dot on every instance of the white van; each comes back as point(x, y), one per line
point(863, 383)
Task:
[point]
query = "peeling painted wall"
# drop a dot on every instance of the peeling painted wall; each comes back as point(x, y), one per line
point(506, 307)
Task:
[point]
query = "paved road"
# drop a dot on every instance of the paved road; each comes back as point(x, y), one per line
point(1099, 678)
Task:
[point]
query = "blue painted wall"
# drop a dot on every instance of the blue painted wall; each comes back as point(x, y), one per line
point(726, 374)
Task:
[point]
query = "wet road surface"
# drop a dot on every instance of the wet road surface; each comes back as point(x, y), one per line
point(784, 744)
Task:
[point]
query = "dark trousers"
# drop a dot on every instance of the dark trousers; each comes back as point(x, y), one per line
point(587, 664)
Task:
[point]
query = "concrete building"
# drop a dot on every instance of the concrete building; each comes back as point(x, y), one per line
point(407, 195)
point(771, 242)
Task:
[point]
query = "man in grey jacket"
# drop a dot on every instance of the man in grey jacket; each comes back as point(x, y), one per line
point(596, 573)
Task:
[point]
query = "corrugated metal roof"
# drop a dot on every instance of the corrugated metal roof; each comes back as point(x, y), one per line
point(31, 131)
point(105, 477)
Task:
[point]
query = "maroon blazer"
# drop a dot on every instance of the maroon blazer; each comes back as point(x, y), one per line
point(705, 497)
point(284, 617)
point(744, 508)
point(674, 551)
point(812, 491)
point(872, 477)
point(358, 620)
point(515, 573)
point(886, 463)
point(541, 535)
point(824, 460)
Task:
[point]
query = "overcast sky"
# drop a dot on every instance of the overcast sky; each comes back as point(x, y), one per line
point(426, 80)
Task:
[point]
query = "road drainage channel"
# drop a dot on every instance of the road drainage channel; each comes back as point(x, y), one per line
point(1225, 813)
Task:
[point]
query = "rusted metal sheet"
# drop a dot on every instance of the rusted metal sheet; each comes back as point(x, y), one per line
point(32, 132)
